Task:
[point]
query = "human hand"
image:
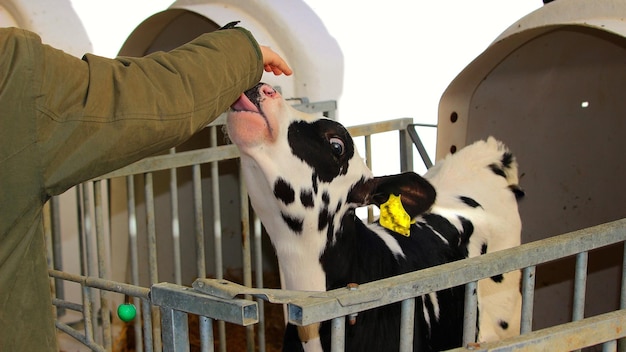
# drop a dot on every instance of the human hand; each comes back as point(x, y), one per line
point(272, 62)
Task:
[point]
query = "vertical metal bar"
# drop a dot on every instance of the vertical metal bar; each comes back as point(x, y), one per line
point(407, 325)
point(47, 233)
point(199, 219)
point(175, 223)
point(80, 216)
point(246, 252)
point(152, 256)
point(89, 249)
point(368, 162)
point(146, 312)
point(338, 334)
point(134, 256)
point(609, 346)
point(406, 151)
point(87, 312)
point(175, 330)
point(105, 315)
point(206, 334)
point(528, 297)
point(57, 248)
point(217, 215)
point(622, 302)
point(419, 145)
point(217, 230)
point(471, 308)
point(580, 281)
point(258, 256)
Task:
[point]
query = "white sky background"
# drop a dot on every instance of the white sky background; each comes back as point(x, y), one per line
point(399, 57)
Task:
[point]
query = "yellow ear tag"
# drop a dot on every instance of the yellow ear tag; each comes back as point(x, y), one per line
point(394, 217)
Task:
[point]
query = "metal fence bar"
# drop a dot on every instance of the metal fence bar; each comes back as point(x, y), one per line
point(134, 260)
point(528, 297)
point(338, 334)
point(167, 161)
point(175, 330)
point(580, 280)
point(217, 226)
point(86, 251)
point(407, 325)
point(152, 255)
point(206, 334)
point(88, 318)
point(622, 302)
point(103, 284)
point(258, 264)
point(406, 150)
point(217, 215)
point(199, 220)
point(471, 309)
point(47, 232)
point(79, 337)
point(569, 336)
point(237, 311)
point(610, 346)
point(146, 313)
point(245, 248)
point(59, 303)
point(175, 223)
point(57, 248)
point(225, 152)
point(368, 162)
point(102, 265)
point(418, 143)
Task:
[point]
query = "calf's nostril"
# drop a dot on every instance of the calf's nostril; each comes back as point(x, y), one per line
point(269, 91)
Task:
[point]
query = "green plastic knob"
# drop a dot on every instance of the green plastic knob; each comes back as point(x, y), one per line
point(126, 312)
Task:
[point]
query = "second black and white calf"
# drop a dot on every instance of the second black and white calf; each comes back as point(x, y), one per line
point(305, 180)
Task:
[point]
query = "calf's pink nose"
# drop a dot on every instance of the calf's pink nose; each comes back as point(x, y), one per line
point(268, 91)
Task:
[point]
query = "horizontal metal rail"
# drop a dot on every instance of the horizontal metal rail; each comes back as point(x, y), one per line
point(569, 336)
point(103, 284)
point(237, 311)
point(225, 152)
point(342, 302)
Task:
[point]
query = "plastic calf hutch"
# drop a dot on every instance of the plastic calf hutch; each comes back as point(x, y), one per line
point(551, 86)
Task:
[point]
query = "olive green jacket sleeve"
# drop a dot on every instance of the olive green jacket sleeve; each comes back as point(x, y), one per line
point(96, 114)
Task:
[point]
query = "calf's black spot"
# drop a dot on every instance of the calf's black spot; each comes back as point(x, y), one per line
point(284, 191)
point(295, 224)
point(323, 219)
point(306, 198)
point(470, 201)
point(496, 169)
point(497, 278)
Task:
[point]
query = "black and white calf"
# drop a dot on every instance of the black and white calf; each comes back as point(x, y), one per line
point(305, 179)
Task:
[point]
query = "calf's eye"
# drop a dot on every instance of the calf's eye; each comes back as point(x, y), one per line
point(337, 146)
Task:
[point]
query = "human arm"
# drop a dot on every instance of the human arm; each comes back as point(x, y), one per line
point(100, 114)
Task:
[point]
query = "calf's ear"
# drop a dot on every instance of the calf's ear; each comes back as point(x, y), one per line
point(417, 194)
